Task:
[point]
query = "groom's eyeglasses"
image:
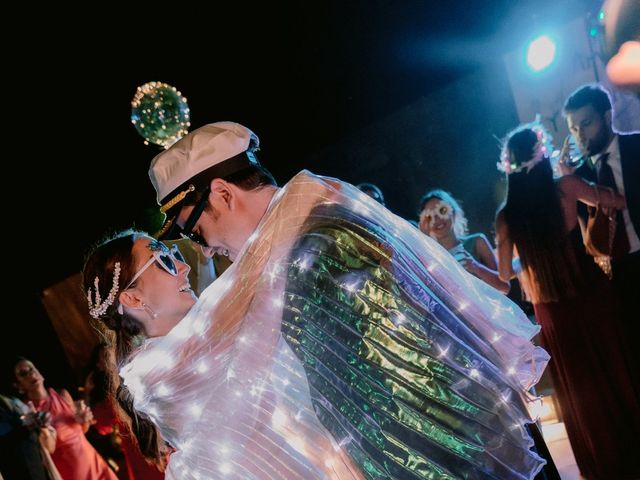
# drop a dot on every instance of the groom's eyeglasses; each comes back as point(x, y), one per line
point(164, 256)
point(196, 213)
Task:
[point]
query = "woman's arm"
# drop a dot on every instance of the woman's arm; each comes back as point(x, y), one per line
point(47, 438)
point(592, 194)
point(505, 249)
point(83, 414)
point(486, 266)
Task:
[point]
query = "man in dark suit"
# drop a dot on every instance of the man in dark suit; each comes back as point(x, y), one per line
point(22, 455)
point(612, 159)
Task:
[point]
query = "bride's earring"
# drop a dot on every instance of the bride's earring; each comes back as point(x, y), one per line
point(225, 252)
point(149, 310)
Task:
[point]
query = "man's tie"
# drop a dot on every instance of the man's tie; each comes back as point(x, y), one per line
point(606, 178)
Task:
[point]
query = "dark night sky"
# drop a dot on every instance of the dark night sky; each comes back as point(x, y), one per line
point(301, 76)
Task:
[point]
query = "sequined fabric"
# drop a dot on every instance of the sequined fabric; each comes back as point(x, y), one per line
point(343, 344)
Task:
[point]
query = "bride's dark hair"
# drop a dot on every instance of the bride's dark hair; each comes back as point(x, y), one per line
point(121, 331)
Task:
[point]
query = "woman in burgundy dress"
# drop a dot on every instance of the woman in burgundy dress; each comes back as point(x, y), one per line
point(574, 304)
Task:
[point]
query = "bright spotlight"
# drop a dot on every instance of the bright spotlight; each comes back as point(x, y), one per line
point(541, 53)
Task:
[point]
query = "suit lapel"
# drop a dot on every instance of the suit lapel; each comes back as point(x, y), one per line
point(587, 171)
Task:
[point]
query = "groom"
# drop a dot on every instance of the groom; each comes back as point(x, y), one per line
point(392, 333)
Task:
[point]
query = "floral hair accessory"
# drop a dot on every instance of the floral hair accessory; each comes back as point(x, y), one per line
point(543, 148)
point(97, 308)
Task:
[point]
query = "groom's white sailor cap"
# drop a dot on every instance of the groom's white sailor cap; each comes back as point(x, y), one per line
point(216, 150)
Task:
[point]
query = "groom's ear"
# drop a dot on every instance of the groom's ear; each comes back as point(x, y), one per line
point(222, 193)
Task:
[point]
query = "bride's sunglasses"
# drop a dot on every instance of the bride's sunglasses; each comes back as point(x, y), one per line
point(164, 256)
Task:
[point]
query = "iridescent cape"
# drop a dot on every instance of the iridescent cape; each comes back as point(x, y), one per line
point(343, 344)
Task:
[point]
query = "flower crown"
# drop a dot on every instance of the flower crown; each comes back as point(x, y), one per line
point(543, 148)
point(97, 308)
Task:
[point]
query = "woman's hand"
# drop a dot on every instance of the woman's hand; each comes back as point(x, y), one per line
point(34, 419)
point(47, 437)
point(83, 414)
point(470, 265)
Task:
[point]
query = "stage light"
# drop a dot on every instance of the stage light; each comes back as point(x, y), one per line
point(541, 53)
